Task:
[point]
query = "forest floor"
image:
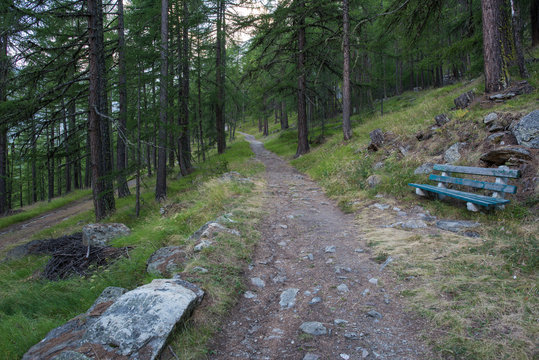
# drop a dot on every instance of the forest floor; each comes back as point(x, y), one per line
point(313, 252)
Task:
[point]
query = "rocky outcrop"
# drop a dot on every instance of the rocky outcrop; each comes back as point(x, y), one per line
point(490, 118)
point(123, 325)
point(441, 119)
point(511, 155)
point(452, 155)
point(377, 140)
point(464, 100)
point(426, 168)
point(101, 234)
point(166, 260)
point(526, 130)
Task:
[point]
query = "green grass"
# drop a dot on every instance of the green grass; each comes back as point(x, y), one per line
point(43, 207)
point(30, 306)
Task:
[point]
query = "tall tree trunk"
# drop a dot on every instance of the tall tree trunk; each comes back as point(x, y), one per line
point(50, 159)
point(517, 35)
point(161, 181)
point(534, 22)
point(4, 66)
point(34, 160)
point(220, 77)
point(496, 73)
point(346, 127)
point(199, 99)
point(121, 158)
point(303, 133)
point(139, 162)
point(284, 116)
point(185, 143)
point(98, 128)
point(74, 145)
point(66, 149)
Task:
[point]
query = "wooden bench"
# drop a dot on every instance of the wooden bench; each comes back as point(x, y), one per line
point(499, 187)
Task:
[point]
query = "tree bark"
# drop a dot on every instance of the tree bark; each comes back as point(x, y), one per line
point(496, 74)
point(98, 130)
point(184, 141)
point(517, 35)
point(303, 133)
point(534, 22)
point(121, 158)
point(4, 66)
point(220, 77)
point(161, 181)
point(66, 149)
point(346, 127)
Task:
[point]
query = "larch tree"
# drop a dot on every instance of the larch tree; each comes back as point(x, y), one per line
point(161, 181)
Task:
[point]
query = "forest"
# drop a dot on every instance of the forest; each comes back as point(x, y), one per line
point(93, 94)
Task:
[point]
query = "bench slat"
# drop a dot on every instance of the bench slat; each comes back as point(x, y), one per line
point(508, 173)
point(510, 189)
point(474, 198)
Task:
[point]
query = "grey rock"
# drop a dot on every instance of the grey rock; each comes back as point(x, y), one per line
point(375, 314)
point(380, 206)
point(211, 229)
point(310, 356)
point(351, 335)
point(456, 225)
point(411, 224)
point(373, 281)
point(310, 257)
point(359, 250)
point(377, 140)
point(496, 137)
point(526, 130)
point(512, 155)
point(341, 269)
point(388, 261)
point(330, 249)
point(495, 127)
point(200, 269)
point(313, 328)
point(344, 356)
point(340, 322)
point(426, 168)
point(404, 150)
point(70, 355)
point(110, 294)
point(452, 155)
point(464, 100)
point(166, 260)
point(378, 165)
point(235, 176)
point(364, 353)
point(249, 295)
point(315, 300)
point(374, 180)
point(365, 292)
point(342, 288)
point(490, 118)
point(288, 298)
point(202, 245)
point(102, 234)
point(258, 282)
point(502, 96)
point(279, 279)
point(441, 119)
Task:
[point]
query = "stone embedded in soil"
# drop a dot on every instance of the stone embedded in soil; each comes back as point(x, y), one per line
point(359, 250)
point(452, 155)
point(464, 100)
point(166, 260)
point(288, 298)
point(351, 335)
point(340, 322)
point(374, 314)
point(441, 119)
point(203, 244)
point(373, 281)
point(507, 155)
point(310, 356)
point(456, 225)
point(526, 130)
point(258, 282)
point(374, 180)
point(380, 206)
point(70, 355)
point(410, 224)
point(490, 118)
point(279, 279)
point(426, 168)
point(313, 328)
point(315, 300)
point(102, 234)
point(344, 356)
point(364, 353)
point(211, 229)
point(330, 249)
point(342, 288)
point(200, 269)
point(249, 295)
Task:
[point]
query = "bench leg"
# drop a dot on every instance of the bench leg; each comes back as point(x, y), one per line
point(420, 192)
point(472, 207)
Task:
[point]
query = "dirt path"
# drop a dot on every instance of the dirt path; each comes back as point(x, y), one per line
point(21, 232)
point(310, 247)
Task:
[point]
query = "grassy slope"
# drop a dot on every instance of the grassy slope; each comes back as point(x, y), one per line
point(481, 296)
point(30, 307)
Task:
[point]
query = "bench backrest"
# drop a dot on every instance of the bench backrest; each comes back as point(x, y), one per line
point(499, 186)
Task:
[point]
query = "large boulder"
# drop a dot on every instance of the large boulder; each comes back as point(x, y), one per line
point(134, 325)
point(464, 100)
point(102, 234)
point(512, 155)
point(526, 130)
point(166, 260)
point(452, 155)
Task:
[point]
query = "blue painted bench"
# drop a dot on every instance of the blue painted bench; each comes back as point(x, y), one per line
point(499, 187)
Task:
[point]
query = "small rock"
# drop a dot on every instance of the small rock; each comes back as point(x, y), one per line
point(351, 335)
point(464, 100)
point(378, 165)
point(344, 356)
point(330, 249)
point(200, 269)
point(313, 328)
point(380, 206)
point(279, 279)
point(386, 263)
point(496, 137)
point(426, 168)
point(258, 282)
point(502, 96)
point(375, 314)
point(202, 245)
point(456, 225)
point(386, 299)
point(490, 118)
point(309, 256)
point(315, 300)
point(526, 130)
point(283, 226)
point(288, 298)
point(413, 224)
point(310, 356)
point(365, 292)
point(340, 322)
point(495, 127)
point(249, 295)
point(359, 250)
point(364, 353)
point(452, 155)
point(441, 119)
point(373, 281)
point(342, 288)
point(374, 180)
point(377, 140)
point(281, 243)
point(507, 155)
point(340, 269)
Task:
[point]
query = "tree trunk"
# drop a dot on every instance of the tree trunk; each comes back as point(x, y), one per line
point(199, 99)
point(98, 130)
point(50, 159)
point(74, 145)
point(534, 22)
point(66, 149)
point(220, 77)
point(517, 35)
point(496, 74)
point(346, 127)
point(185, 147)
point(139, 162)
point(303, 133)
point(284, 116)
point(161, 182)
point(121, 158)
point(4, 66)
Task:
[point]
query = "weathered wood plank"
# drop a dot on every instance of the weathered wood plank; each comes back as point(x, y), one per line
point(509, 173)
point(461, 195)
point(510, 189)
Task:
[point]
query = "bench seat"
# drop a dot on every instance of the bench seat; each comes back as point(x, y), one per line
point(482, 200)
